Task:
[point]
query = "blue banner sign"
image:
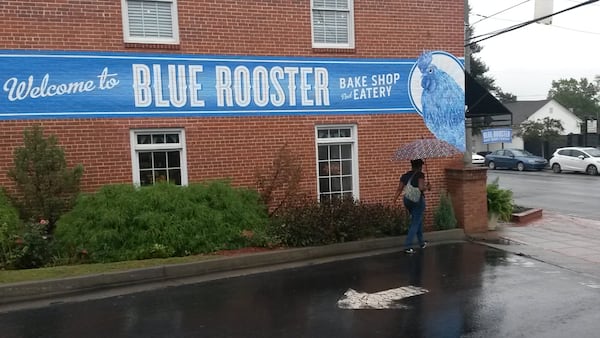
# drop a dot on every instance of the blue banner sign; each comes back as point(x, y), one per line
point(497, 135)
point(36, 85)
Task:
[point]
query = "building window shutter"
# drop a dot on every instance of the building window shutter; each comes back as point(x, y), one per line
point(332, 23)
point(151, 21)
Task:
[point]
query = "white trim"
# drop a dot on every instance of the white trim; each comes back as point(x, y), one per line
point(134, 147)
point(349, 45)
point(353, 140)
point(127, 38)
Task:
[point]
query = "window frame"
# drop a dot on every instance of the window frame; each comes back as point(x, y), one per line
point(325, 45)
point(127, 38)
point(136, 148)
point(352, 140)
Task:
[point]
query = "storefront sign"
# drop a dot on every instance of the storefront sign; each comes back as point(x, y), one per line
point(497, 135)
point(77, 85)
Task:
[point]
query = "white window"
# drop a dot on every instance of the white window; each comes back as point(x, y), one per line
point(333, 23)
point(150, 21)
point(158, 156)
point(337, 165)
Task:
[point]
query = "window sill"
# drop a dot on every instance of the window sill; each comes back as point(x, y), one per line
point(151, 45)
point(335, 50)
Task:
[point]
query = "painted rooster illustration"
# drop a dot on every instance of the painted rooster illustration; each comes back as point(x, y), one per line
point(443, 103)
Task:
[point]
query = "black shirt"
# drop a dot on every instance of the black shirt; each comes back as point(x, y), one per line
point(415, 180)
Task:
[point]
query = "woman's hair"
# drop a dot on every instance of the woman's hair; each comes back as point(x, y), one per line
point(416, 164)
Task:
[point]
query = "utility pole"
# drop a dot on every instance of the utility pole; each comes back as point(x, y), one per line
point(467, 158)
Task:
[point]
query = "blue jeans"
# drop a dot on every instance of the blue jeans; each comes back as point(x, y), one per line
point(416, 211)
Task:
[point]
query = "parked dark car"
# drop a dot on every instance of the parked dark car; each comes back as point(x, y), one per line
point(514, 159)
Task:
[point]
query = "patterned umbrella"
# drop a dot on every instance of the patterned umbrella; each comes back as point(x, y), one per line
point(425, 148)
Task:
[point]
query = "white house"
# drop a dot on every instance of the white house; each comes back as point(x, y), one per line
point(532, 111)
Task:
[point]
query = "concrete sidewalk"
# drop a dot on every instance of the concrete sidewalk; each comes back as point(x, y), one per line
point(563, 240)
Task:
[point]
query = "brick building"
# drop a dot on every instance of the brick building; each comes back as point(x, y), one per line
point(140, 90)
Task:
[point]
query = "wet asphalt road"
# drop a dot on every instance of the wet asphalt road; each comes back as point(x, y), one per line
point(565, 193)
point(472, 291)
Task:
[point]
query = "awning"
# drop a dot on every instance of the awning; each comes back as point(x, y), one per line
point(481, 103)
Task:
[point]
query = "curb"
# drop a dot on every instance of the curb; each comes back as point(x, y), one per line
point(45, 289)
point(527, 216)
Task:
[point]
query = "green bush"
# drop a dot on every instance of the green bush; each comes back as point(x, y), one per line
point(499, 201)
point(121, 222)
point(313, 223)
point(21, 246)
point(444, 217)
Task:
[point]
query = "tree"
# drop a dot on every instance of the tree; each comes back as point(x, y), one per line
point(505, 97)
point(46, 188)
point(477, 67)
point(541, 130)
point(581, 96)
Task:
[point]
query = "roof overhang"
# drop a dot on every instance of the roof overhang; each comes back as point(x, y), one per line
point(481, 103)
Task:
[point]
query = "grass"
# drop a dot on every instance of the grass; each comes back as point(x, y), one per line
point(59, 272)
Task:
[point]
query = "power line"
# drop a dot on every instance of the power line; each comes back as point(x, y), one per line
point(502, 11)
point(526, 23)
point(550, 26)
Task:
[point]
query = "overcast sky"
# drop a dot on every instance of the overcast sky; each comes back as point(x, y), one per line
point(524, 62)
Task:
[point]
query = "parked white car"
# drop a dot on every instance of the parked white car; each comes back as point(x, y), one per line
point(477, 159)
point(586, 160)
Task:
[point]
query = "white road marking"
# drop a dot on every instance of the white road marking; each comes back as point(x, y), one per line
point(591, 285)
point(387, 299)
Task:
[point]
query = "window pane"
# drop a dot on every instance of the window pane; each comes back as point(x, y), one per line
point(158, 138)
point(145, 160)
point(175, 176)
point(323, 169)
point(323, 133)
point(160, 160)
point(345, 132)
point(146, 177)
point(174, 159)
point(330, 27)
point(323, 153)
point(334, 152)
point(143, 139)
point(336, 184)
point(346, 167)
point(172, 138)
point(160, 176)
point(346, 151)
point(334, 132)
point(323, 185)
point(150, 18)
point(335, 168)
point(347, 183)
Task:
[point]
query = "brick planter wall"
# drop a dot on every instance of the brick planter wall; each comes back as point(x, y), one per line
point(467, 188)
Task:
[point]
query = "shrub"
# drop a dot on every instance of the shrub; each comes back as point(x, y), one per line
point(22, 246)
point(10, 226)
point(313, 223)
point(120, 222)
point(499, 201)
point(45, 187)
point(278, 186)
point(443, 216)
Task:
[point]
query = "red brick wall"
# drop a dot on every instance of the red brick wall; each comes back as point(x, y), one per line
point(236, 147)
point(394, 29)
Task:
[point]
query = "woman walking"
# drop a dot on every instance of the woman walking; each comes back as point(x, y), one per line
point(414, 205)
